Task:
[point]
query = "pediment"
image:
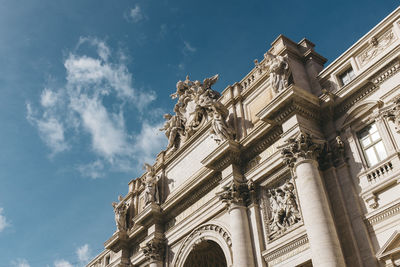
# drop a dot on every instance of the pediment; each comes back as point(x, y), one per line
point(359, 110)
point(392, 246)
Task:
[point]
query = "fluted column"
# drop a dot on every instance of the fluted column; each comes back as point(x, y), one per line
point(300, 154)
point(235, 196)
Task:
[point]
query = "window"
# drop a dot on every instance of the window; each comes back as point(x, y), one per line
point(108, 260)
point(372, 145)
point(347, 76)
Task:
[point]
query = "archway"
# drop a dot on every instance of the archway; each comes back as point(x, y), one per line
point(211, 236)
point(207, 253)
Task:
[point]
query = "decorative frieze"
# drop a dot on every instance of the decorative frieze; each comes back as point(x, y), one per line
point(376, 46)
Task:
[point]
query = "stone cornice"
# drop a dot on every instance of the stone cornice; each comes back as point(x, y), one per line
point(226, 153)
point(383, 215)
point(174, 206)
point(117, 241)
point(298, 242)
point(292, 100)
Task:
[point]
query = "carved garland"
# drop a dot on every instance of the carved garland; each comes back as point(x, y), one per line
point(202, 233)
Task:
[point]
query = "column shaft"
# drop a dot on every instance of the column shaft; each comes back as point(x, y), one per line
point(241, 241)
point(321, 231)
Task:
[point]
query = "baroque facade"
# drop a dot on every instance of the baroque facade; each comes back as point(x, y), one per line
point(295, 165)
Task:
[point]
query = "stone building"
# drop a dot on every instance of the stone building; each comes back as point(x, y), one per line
point(295, 165)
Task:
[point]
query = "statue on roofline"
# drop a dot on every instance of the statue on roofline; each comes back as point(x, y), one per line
point(120, 211)
point(197, 103)
point(151, 194)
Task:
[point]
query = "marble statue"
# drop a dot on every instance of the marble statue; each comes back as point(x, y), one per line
point(197, 104)
point(121, 210)
point(151, 194)
point(279, 71)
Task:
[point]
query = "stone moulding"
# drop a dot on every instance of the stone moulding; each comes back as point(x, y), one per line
point(210, 231)
point(293, 99)
point(383, 215)
point(275, 256)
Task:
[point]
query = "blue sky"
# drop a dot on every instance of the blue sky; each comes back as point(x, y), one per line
point(84, 84)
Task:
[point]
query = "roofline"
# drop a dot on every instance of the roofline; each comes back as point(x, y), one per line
point(349, 50)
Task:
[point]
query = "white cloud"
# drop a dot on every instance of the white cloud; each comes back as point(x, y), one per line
point(107, 129)
point(83, 253)
point(20, 263)
point(48, 98)
point(50, 129)
point(93, 102)
point(188, 48)
point(93, 170)
point(136, 14)
point(62, 263)
point(3, 221)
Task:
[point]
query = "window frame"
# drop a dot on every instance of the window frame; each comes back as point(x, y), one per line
point(372, 144)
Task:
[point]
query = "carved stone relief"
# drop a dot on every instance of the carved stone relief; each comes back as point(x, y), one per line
point(281, 209)
point(393, 113)
point(376, 46)
point(197, 104)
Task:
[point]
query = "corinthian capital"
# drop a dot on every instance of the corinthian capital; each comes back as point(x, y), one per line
point(154, 250)
point(236, 193)
point(301, 147)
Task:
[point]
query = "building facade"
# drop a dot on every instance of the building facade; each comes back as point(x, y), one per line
point(295, 165)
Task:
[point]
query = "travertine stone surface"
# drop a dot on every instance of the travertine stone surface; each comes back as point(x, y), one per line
point(222, 194)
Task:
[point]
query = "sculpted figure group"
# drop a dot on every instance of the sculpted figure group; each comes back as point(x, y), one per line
point(197, 104)
point(284, 209)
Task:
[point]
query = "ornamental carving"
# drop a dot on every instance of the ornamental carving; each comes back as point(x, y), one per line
point(333, 153)
point(301, 147)
point(202, 233)
point(154, 250)
point(237, 193)
point(376, 46)
point(279, 71)
point(151, 193)
point(283, 209)
point(393, 113)
point(197, 104)
point(121, 211)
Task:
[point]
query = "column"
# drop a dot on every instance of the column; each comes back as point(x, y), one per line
point(300, 154)
point(235, 195)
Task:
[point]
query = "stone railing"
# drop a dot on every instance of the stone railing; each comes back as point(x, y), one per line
point(380, 172)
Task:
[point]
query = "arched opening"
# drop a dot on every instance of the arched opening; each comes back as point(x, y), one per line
point(207, 253)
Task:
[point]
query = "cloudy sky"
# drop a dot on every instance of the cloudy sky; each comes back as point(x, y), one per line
point(84, 84)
